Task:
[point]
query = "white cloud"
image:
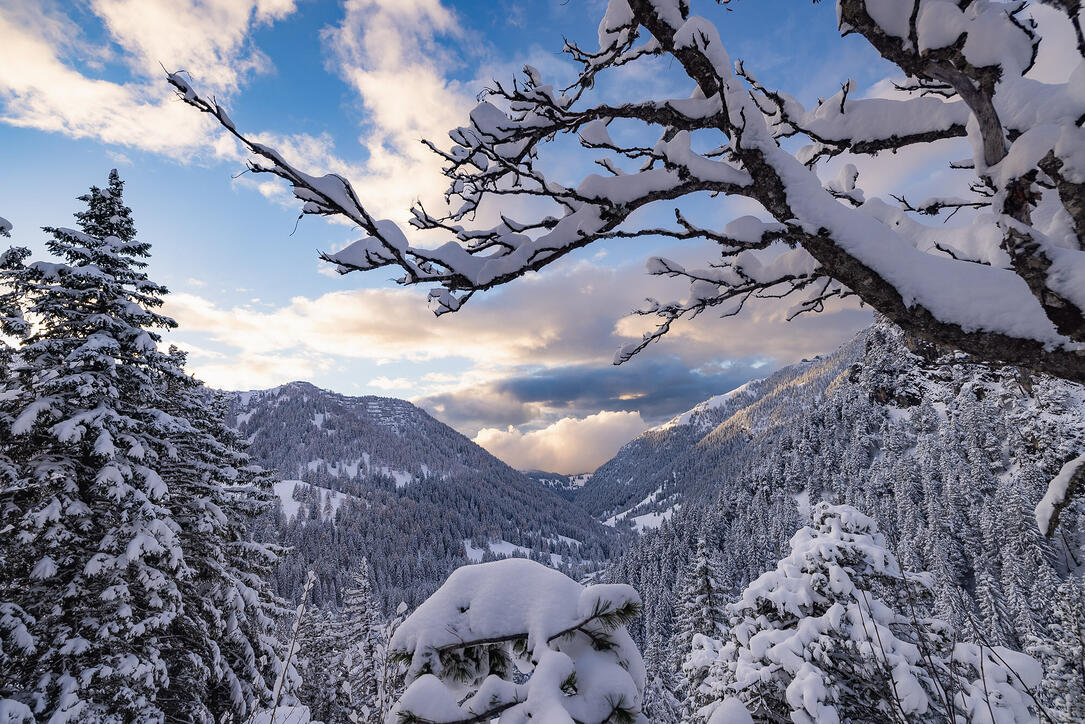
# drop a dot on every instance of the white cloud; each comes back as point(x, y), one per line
point(570, 445)
point(388, 52)
point(119, 158)
point(44, 56)
point(208, 38)
point(259, 371)
point(569, 315)
point(572, 314)
point(387, 383)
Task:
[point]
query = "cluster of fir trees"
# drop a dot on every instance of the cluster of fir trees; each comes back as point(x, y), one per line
point(347, 672)
point(130, 586)
point(841, 609)
point(838, 631)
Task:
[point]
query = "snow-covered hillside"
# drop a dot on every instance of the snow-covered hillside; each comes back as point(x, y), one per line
point(567, 486)
point(654, 471)
point(690, 458)
point(949, 458)
point(297, 498)
point(378, 477)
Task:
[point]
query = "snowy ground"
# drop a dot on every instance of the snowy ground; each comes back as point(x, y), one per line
point(504, 548)
point(284, 489)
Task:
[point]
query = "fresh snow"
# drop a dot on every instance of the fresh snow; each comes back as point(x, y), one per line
point(505, 548)
point(652, 498)
point(730, 711)
point(283, 715)
point(802, 502)
point(710, 404)
point(1057, 491)
point(519, 599)
point(284, 489)
point(401, 477)
point(651, 521)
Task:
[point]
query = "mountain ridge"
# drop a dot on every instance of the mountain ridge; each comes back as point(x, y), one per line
point(421, 498)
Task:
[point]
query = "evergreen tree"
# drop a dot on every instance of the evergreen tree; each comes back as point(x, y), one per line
point(392, 674)
point(16, 640)
point(121, 542)
point(661, 706)
point(319, 663)
point(699, 612)
point(1063, 655)
point(359, 634)
point(230, 620)
point(833, 635)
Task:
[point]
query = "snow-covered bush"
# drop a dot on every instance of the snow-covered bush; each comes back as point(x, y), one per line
point(514, 641)
point(835, 633)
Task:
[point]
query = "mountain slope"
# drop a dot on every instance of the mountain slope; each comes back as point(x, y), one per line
point(950, 459)
point(567, 486)
point(688, 456)
point(419, 497)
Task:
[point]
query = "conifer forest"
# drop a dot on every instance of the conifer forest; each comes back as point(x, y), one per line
point(834, 472)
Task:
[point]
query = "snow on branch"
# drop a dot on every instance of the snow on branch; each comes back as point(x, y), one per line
point(1067, 486)
point(1009, 287)
point(492, 624)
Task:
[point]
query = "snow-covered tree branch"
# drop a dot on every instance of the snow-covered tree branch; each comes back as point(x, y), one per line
point(1009, 286)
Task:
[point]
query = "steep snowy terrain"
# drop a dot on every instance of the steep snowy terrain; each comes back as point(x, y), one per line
point(688, 456)
point(380, 478)
point(949, 458)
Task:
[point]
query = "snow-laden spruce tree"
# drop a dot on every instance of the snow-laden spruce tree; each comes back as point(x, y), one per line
point(391, 667)
point(340, 657)
point(699, 611)
point(319, 661)
point(835, 634)
point(661, 705)
point(1063, 655)
point(1006, 285)
point(229, 627)
point(515, 641)
point(359, 632)
point(16, 641)
point(126, 501)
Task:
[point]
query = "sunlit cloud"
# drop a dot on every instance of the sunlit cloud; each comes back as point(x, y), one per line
point(570, 445)
point(387, 383)
point(535, 356)
point(527, 356)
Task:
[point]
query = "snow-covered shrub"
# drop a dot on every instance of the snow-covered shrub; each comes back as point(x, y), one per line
point(835, 633)
point(514, 640)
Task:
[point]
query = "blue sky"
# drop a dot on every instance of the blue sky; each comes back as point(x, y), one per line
point(351, 87)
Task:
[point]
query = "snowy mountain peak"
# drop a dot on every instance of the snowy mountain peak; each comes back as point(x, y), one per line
point(377, 476)
point(696, 414)
point(389, 412)
point(652, 474)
